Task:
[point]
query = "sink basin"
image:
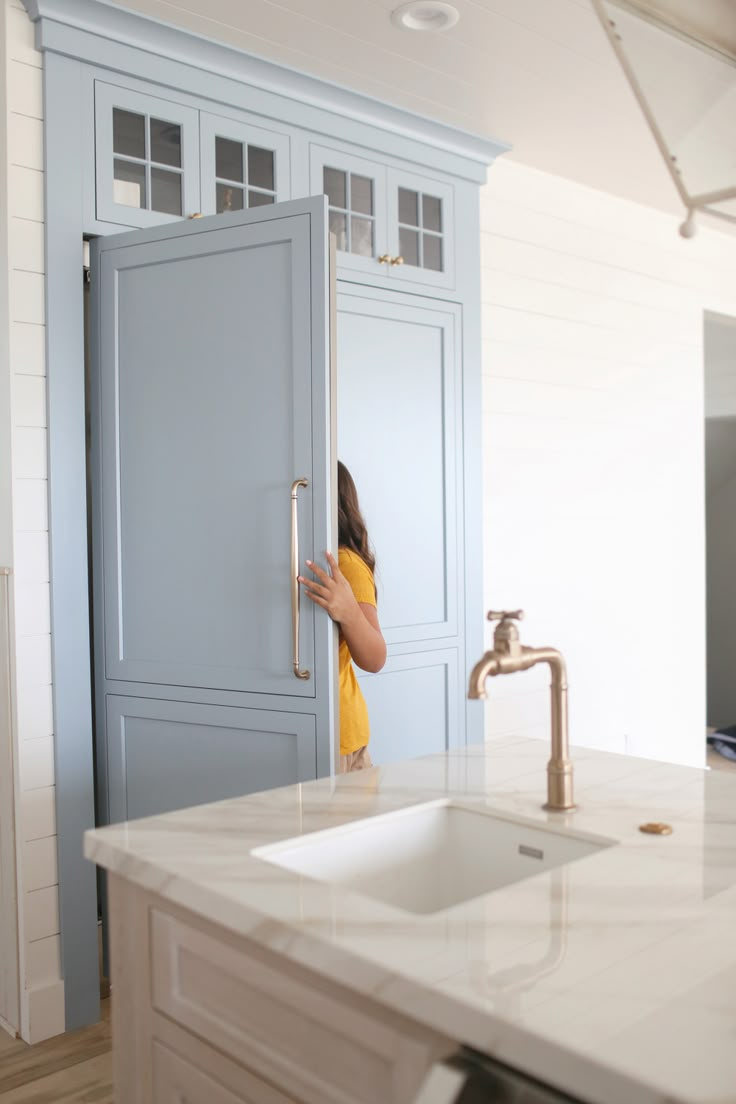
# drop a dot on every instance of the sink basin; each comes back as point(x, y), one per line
point(429, 857)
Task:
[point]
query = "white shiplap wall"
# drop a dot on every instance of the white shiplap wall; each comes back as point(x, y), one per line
point(593, 456)
point(42, 990)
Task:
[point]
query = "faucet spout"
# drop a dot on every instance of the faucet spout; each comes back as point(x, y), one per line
point(484, 669)
point(509, 655)
point(559, 768)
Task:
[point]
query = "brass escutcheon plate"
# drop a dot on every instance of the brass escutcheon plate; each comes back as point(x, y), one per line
point(656, 828)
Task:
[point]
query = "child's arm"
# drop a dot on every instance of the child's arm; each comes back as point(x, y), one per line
point(358, 621)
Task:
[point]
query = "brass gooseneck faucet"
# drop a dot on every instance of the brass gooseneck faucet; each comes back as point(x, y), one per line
point(508, 655)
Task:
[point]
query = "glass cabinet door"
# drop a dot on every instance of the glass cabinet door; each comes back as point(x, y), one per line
point(147, 157)
point(390, 225)
point(356, 197)
point(421, 220)
point(242, 165)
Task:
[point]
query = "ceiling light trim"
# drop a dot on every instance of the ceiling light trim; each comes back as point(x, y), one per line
point(425, 15)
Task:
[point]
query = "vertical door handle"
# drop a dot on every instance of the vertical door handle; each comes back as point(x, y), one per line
point(295, 595)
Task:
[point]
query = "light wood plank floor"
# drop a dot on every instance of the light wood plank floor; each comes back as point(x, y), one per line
point(70, 1069)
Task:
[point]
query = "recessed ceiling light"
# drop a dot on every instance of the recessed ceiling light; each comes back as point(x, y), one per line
point(425, 15)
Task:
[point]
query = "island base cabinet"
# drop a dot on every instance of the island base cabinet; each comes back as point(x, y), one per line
point(204, 1015)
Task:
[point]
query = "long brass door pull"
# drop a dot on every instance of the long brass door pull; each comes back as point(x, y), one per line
point(295, 595)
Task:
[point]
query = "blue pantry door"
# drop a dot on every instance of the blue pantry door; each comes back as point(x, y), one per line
point(400, 431)
point(212, 469)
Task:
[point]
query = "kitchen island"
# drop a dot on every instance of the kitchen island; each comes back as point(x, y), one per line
point(611, 978)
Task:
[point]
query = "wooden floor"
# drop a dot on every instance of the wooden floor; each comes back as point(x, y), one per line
point(70, 1069)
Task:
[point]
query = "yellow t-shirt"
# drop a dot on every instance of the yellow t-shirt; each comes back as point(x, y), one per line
point(354, 726)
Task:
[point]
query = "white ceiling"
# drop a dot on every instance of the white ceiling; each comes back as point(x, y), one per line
point(538, 74)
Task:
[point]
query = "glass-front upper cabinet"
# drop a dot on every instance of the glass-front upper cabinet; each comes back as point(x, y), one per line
point(355, 190)
point(387, 222)
point(242, 165)
point(147, 158)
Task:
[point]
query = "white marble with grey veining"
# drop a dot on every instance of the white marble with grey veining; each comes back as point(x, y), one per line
point(613, 978)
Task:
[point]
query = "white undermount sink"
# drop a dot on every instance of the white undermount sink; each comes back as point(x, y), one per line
point(429, 857)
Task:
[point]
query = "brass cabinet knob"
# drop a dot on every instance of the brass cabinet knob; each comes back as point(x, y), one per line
point(397, 260)
point(385, 258)
point(197, 214)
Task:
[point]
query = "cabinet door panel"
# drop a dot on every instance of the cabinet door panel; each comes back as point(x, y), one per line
point(166, 755)
point(415, 705)
point(356, 195)
point(398, 419)
point(242, 165)
point(206, 401)
point(147, 157)
point(177, 1081)
point(421, 221)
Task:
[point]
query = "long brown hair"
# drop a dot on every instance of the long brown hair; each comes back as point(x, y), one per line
point(351, 529)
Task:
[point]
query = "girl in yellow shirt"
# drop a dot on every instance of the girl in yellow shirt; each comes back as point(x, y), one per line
point(348, 593)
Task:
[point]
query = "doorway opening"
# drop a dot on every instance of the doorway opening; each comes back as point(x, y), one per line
point(720, 527)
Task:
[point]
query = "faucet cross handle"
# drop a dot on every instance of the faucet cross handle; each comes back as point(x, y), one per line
point(505, 615)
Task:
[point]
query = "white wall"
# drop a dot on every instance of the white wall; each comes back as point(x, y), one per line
point(24, 530)
point(593, 456)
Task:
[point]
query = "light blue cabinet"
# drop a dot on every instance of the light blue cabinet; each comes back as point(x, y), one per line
point(211, 388)
point(133, 111)
point(399, 418)
point(242, 165)
point(391, 224)
point(147, 157)
point(164, 755)
point(160, 159)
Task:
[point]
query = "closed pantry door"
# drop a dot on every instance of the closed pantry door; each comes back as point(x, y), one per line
point(400, 433)
point(212, 466)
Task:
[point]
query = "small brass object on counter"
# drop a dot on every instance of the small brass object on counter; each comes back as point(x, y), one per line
point(656, 828)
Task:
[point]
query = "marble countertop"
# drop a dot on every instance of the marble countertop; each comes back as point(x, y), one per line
point(613, 978)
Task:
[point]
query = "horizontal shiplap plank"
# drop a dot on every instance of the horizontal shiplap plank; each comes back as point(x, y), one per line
point(534, 296)
point(590, 276)
point(33, 661)
point(29, 453)
point(31, 557)
point(37, 765)
point(38, 813)
point(43, 961)
point(561, 203)
point(32, 608)
point(508, 221)
point(25, 193)
point(27, 297)
point(29, 401)
point(35, 712)
point(530, 399)
point(40, 867)
point(25, 89)
point(578, 336)
point(22, 38)
point(41, 914)
point(25, 142)
point(30, 505)
point(664, 369)
point(28, 346)
point(27, 247)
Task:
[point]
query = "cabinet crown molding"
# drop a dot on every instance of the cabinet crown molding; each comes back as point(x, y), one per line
point(118, 25)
